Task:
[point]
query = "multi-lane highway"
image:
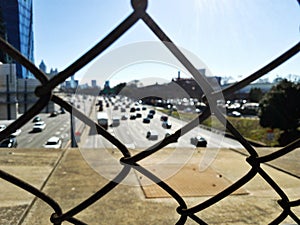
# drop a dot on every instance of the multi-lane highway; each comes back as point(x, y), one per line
point(58, 126)
point(133, 132)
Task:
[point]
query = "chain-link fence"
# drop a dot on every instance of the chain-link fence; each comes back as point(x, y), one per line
point(131, 162)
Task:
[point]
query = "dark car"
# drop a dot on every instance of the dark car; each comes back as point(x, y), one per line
point(53, 114)
point(146, 120)
point(10, 142)
point(198, 141)
point(132, 117)
point(132, 109)
point(150, 116)
point(138, 115)
point(144, 108)
point(163, 118)
point(166, 124)
point(124, 117)
point(152, 111)
point(36, 119)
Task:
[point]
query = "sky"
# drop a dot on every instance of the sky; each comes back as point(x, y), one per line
point(232, 38)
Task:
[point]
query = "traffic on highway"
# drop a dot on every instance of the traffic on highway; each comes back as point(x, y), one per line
point(136, 125)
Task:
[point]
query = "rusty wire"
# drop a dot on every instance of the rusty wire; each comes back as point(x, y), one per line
point(44, 92)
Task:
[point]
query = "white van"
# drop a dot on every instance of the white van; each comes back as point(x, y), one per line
point(115, 121)
point(152, 135)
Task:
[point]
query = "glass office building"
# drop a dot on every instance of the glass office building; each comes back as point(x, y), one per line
point(17, 24)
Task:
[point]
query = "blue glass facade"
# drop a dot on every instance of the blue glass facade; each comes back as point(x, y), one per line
point(17, 18)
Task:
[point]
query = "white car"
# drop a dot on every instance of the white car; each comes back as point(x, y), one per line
point(53, 142)
point(2, 127)
point(16, 133)
point(39, 126)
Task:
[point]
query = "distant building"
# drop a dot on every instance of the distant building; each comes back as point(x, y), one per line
point(26, 96)
point(8, 92)
point(17, 94)
point(106, 84)
point(193, 88)
point(178, 88)
point(43, 68)
point(17, 29)
point(94, 83)
point(244, 92)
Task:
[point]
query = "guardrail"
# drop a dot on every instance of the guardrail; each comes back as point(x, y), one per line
point(130, 162)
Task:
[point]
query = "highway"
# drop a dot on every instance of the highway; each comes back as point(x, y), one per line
point(55, 126)
point(58, 126)
point(133, 132)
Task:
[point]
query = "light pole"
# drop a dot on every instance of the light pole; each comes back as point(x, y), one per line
point(72, 127)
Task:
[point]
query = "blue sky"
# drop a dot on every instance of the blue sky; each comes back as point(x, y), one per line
point(232, 37)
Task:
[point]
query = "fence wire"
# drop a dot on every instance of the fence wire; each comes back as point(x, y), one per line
point(129, 161)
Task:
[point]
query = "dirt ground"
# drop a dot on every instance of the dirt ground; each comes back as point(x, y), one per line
point(66, 177)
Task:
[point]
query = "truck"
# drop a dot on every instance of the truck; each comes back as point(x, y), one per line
point(102, 119)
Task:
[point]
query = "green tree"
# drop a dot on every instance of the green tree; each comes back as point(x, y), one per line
point(280, 108)
point(255, 95)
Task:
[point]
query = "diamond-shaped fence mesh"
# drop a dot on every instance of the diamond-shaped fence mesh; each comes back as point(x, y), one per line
point(131, 162)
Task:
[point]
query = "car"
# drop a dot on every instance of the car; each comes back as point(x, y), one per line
point(123, 110)
point(16, 133)
point(132, 117)
point(54, 114)
point(144, 108)
point(235, 114)
point(150, 116)
point(124, 117)
point(2, 127)
point(137, 109)
point(132, 109)
point(166, 124)
point(39, 126)
point(163, 118)
point(115, 121)
point(10, 142)
point(53, 142)
point(146, 120)
point(116, 107)
point(152, 111)
point(36, 119)
point(138, 115)
point(199, 141)
point(62, 111)
point(152, 135)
